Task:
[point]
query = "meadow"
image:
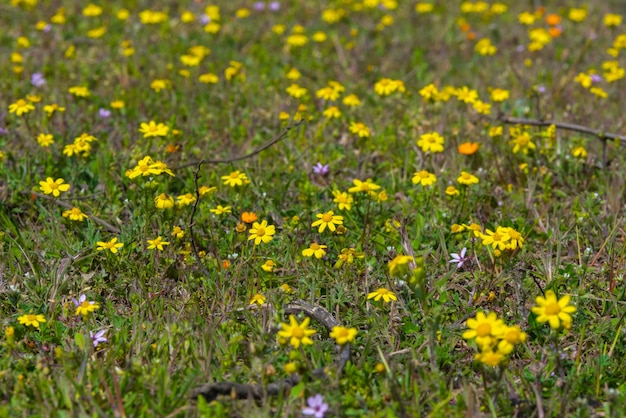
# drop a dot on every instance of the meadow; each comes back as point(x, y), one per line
point(354, 208)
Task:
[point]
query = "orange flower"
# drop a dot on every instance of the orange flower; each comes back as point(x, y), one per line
point(225, 264)
point(465, 27)
point(470, 36)
point(555, 32)
point(553, 19)
point(249, 217)
point(468, 148)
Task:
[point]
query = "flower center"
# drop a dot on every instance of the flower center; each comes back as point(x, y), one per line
point(497, 237)
point(260, 231)
point(483, 330)
point(297, 332)
point(315, 247)
point(553, 309)
point(327, 217)
point(234, 175)
point(54, 186)
point(21, 103)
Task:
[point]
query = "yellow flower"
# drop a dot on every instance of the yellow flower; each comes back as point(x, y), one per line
point(31, 320)
point(92, 10)
point(612, 20)
point(185, 199)
point(268, 266)
point(20, 107)
point(497, 240)
point(45, 140)
point(117, 104)
point(424, 178)
point(431, 142)
point(112, 245)
point(499, 95)
point(577, 15)
point(291, 367)
point(385, 87)
point(386, 295)
point(360, 129)
point(579, 152)
point(157, 243)
point(327, 93)
point(164, 201)
point(343, 335)
point(511, 336)
point(343, 200)
point(296, 91)
point(351, 101)
point(261, 232)
point(328, 219)
point(79, 91)
point(316, 250)
point(490, 357)
point(398, 264)
point(159, 84)
point(424, 7)
point(85, 307)
point(429, 92)
point(555, 312)
point(522, 141)
point(152, 129)
point(484, 328)
point(54, 187)
point(220, 210)
point(363, 186)
point(467, 179)
point(258, 299)
point(236, 178)
point(485, 47)
point(516, 238)
point(75, 214)
point(208, 78)
point(296, 333)
point(466, 95)
point(452, 191)
point(332, 112)
point(178, 232)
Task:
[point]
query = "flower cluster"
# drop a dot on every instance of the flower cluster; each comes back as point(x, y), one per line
point(495, 339)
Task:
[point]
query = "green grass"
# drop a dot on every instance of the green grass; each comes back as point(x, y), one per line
point(179, 318)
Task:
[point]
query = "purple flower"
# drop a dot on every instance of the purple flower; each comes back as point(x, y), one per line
point(459, 258)
point(80, 300)
point(540, 88)
point(259, 5)
point(104, 113)
point(321, 169)
point(37, 80)
point(98, 337)
point(274, 6)
point(316, 406)
point(596, 78)
point(204, 19)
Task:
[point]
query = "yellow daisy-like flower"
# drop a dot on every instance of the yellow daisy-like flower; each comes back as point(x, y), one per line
point(296, 333)
point(54, 187)
point(152, 129)
point(268, 266)
point(497, 240)
point(45, 140)
point(31, 320)
point(261, 232)
point(79, 91)
point(366, 186)
point(112, 245)
point(164, 201)
point(467, 179)
point(220, 210)
point(386, 295)
point(554, 311)
point(85, 307)
point(328, 219)
point(342, 199)
point(511, 336)
point(20, 107)
point(236, 178)
point(75, 214)
point(398, 264)
point(360, 129)
point(490, 357)
point(431, 142)
point(157, 243)
point(185, 199)
point(343, 335)
point(316, 250)
point(484, 328)
point(424, 178)
point(258, 299)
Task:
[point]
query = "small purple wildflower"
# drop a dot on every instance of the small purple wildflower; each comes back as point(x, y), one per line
point(459, 258)
point(540, 88)
point(80, 300)
point(37, 80)
point(204, 19)
point(104, 113)
point(596, 78)
point(316, 406)
point(274, 6)
point(98, 337)
point(259, 5)
point(321, 169)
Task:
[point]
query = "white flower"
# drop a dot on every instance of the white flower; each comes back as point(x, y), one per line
point(459, 258)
